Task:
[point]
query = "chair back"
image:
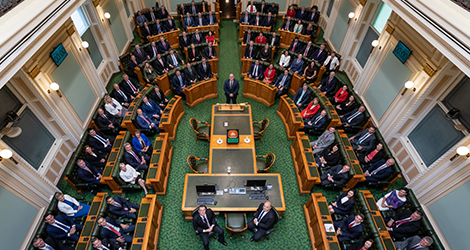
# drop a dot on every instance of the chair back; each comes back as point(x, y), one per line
point(264, 125)
point(192, 162)
point(270, 159)
point(193, 123)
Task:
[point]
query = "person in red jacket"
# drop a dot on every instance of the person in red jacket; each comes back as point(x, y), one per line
point(291, 12)
point(269, 74)
point(340, 96)
point(311, 109)
point(260, 39)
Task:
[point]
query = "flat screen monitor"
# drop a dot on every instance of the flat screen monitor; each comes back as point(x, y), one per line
point(58, 54)
point(255, 183)
point(233, 136)
point(205, 189)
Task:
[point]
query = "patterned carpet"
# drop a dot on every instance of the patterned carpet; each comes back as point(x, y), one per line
point(177, 233)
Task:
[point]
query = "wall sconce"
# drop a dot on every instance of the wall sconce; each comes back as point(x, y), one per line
point(351, 16)
point(54, 87)
point(7, 154)
point(409, 85)
point(462, 151)
point(108, 17)
point(85, 45)
point(374, 44)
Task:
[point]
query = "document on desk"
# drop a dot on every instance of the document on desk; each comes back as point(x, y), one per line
point(329, 228)
point(220, 192)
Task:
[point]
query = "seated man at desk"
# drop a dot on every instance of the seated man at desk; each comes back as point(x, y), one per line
point(316, 121)
point(302, 96)
point(349, 228)
point(380, 170)
point(263, 221)
point(134, 158)
point(404, 224)
point(99, 141)
point(204, 69)
point(179, 83)
point(325, 140)
point(114, 230)
point(353, 117)
point(336, 175)
point(105, 244)
point(122, 207)
point(151, 109)
point(70, 206)
point(62, 227)
point(282, 83)
point(205, 222)
point(414, 242)
point(364, 140)
point(144, 121)
point(50, 244)
point(256, 71)
point(88, 174)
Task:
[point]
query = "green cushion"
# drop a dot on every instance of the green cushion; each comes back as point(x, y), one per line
point(261, 164)
point(203, 167)
point(204, 129)
point(256, 129)
point(236, 220)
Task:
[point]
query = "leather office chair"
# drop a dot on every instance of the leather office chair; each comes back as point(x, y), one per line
point(198, 165)
point(260, 128)
point(277, 217)
point(236, 223)
point(202, 131)
point(264, 162)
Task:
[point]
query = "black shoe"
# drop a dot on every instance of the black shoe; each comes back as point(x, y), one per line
point(223, 243)
point(252, 239)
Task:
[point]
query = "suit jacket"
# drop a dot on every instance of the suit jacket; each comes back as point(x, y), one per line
point(268, 23)
point(357, 120)
point(328, 87)
point(141, 19)
point(184, 44)
point(122, 97)
point(190, 76)
point(254, 52)
point(195, 41)
point(264, 9)
point(131, 67)
point(242, 19)
point(305, 97)
point(206, 52)
point(56, 244)
point(188, 22)
point(286, 82)
point(159, 67)
point(142, 123)
point(152, 51)
point(111, 245)
point(356, 246)
point(95, 161)
point(177, 83)
point(297, 47)
point(382, 174)
point(162, 49)
point(252, 38)
point(319, 123)
point(57, 233)
point(297, 67)
point(153, 110)
point(314, 19)
point(191, 11)
point(339, 179)
point(198, 22)
point(352, 232)
point(343, 208)
point(103, 123)
point(309, 52)
point(170, 24)
point(145, 33)
point(276, 41)
point(169, 60)
point(234, 89)
point(86, 176)
point(161, 26)
point(325, 140)
point(320, 58)
point(136, 142)
point(273, 10)
point(158, 99)
point(214, 19)
point(131, 160)
point(127, 89)
point(260, 20)
point(204, 73)
point(259, 73)
point(267, 222)
point(121, 211)
point(366, 144)
point(108, 234)
point(162, 15)
point(300, 15)
point(406, 229)
point(95, 143)
point(198, 223)
point(409, 243)
point(194, 55)
point(289, 27)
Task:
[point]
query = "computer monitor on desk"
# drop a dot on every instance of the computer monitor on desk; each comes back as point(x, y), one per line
point(255, 183)
point(206, 189)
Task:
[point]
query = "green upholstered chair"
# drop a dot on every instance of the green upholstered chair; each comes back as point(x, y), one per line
point(202, 129)
point(198, 165)
point(259, 128)
point(264, 162)
point(236, 223)
point(277, 217)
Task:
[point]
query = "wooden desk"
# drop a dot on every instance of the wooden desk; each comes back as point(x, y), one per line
point(287, 37)
point(215, 45)
point(296, 82)
point(304, 163)
point(90, 222)
point(228, 202)
point(164, 83)
point(316, 215)
point(111, 163)
point(250, 27)
point(171, 37)
point(356, 167)
point(335, 120)
point(133, 106)
point(246, 65)
point(214, 27)
point(159, 165)
point(259, 91)
point(147, 227)
point(201, 91)
point(171, 117)
point(290, 116)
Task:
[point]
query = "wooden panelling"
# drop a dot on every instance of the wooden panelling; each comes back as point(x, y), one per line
point(51, 176)
point(402, 155)
point(56, 166)
point(58, 128)
point(70, 144)
point(43, 110)
point(405, 126)
point(421, 107)
point(61, 159)
point(442, 83)
point(406, 165)
point(392, 141)
point(65, 150)
point(412, 173)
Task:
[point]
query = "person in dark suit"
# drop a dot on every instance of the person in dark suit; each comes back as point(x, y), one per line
point(361, 245)
point(188, 21)
point(274, 40)
point(147, 31)
point(107, 121)
point(144, 121)
point(380, 170)
point(319, 55)
point(50, 244)
point(231, 88)
point(273, 9)
point(248, 36)
point(121, 96)
point(263, 8)
point(200, 20)
point(250, 51)
point(114, 230)
point(139, 19)
point(295, 45)
point(204, 70)
point(353, 117)
point(414, 242)
point(256, 71)
point(152, 50)
point(162, 13)
point(373, 155)
point(404, 224)
point(337, 175)
point(94, 157)
point(100, 244)
point(62, 227)
point(343, 204)
point(211, 19)
point(209, 51)
point(205, 222)
point(179, 83)
point(328, 84)
point(99, 141)
point(159, 27)
point(129, 87)
point(263, 221)
point(316, 121)
point(257, 20)
point(307, 51)
point(282, 83)
point(160, 65)
point(297, 65)
point(88, 173)
point(197, 38)
point(302, 96)
point(151, 109)
point(313, 16)
point(288, 25)
point(268, 21)
point(349, 228)
point(122, 207)
point(134, 158)
point(364, 140)
point(159, 97)
point(190, 73)
point(194, 9)
point(163, 46)
point(153, 15)
point(193, 54)
point(170, 24)
point(185, 41)
point(182, 10)
point(173, 60)
point(301, 14)
point(140, 55)
point(132, 64)
point(245, 19)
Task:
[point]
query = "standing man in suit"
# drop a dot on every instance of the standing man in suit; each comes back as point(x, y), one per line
point(319, 55)
point(151, 109)
point(88, 173)
point(160, 65)
point(380, 170)
point(62, 227)
point(263, 221)
point(302, 96)
point(70, 206)
point(205, 222)
point(256, 71)
point(245, 19)
point(146, 31)
point(250, 51)
point(134, 158)
point(185, 41)
point(231, 88)
point(122, 207)
point(99, 141)
point(50, 244)
point(107, 121)
point(190, 74)
point(211, 19)
point(316, 121)
point(209, 51)
point(204, 69)
point(308, 50)
point(163, 46)
point(363, 141)
point(328, 85)
point(144, 121)
point(324, 141)
point(173, 60)
point(129, 87)
point(349, 228)
point(197, 38)
point(353, 117)
point(287, 25)
point(414, 242)
point(159, 97)
point(282, 83)
point(295, 46)
point(337, 175)
point(179, 83)
point(105, 244)
point(200, 20)
point(404, 224)
point(121, 96)
point(114, 230)
point(297, 65)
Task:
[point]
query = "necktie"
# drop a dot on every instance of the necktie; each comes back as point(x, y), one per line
point(135, 156)
point(353, 116)
point(261, 216)
point(104, 116)
point(174, 60)
point(153, 16)
point(282, 82)
point(293, 48)
point(143, 117)
point(87, 169)
point(194, 52)
point(148, 103)
point(256, 70)
point(117, 204)
point(231, 84)
point(197, 37)
point(398, 223)
point(181, 82)
point(123, 95)
point(362, 138)
point(251, 9)
point(268, 20)
point(101, 139)
point(251, 49)
point(416, 246)
point(306, 51)
point(379, 169)
point(154, 52)
point(132, 86)
point(140, 53)
point(248, 38)
point(164, 45)
point(204, 219)
point(71, 204)
point(351, 224)
point(61, 226)
point(210, 52)
point(113, 229)
point(329, 81)
point(159, 30)
point(319, 53)
point(161, 62)
point(318, 118)
point(300, 98)
point(147, 30)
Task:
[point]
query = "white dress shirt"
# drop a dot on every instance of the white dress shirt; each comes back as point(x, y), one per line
point(284, 61)
point(129, 174)
point(66, 209)
point(111, 109)
point(333, 63)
